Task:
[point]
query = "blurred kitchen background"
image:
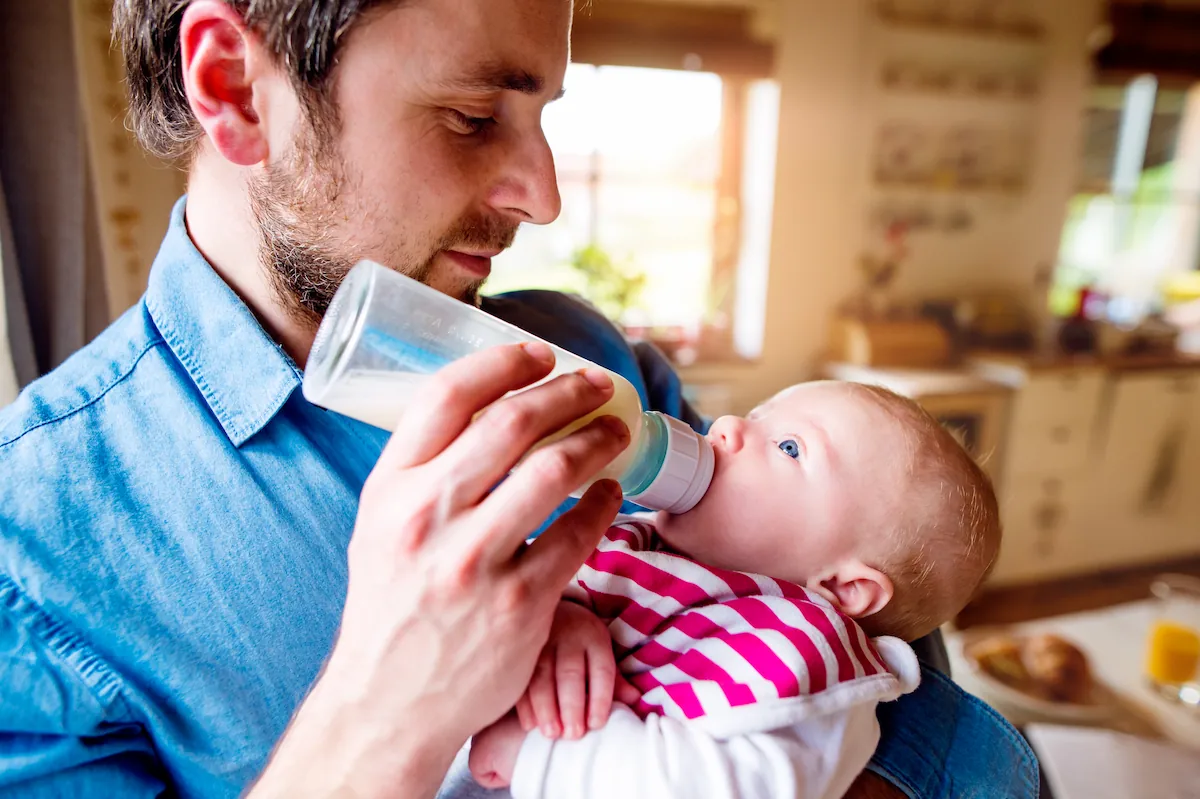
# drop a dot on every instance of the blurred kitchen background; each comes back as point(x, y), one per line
point(990, 205)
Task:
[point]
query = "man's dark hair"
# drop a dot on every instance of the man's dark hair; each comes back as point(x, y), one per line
point(303, 35)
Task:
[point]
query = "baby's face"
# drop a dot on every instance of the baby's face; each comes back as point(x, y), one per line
point(804, 483)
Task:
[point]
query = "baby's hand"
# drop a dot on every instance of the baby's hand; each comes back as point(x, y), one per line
point(494, 751)
point(576, 674)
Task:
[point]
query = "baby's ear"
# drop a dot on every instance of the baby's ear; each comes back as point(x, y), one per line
point(858, 589)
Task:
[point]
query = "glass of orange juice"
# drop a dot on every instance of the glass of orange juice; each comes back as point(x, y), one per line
point(1173, 645)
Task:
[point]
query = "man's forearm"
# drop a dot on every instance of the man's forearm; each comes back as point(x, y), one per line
point(329, 750)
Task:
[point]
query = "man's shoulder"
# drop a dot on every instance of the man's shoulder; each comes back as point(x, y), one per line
point(568, 321)
point(557, 303)
point(83, 380)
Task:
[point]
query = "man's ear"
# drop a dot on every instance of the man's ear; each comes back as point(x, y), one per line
point(859, 590)
point(220, 59)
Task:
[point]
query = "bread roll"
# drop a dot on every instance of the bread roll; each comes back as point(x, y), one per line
point(1000, 657)
point(1058, 667)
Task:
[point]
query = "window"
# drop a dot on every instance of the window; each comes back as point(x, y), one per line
point(1136, 218)
point(654, 181)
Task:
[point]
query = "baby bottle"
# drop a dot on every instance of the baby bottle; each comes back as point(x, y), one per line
point(385, 334)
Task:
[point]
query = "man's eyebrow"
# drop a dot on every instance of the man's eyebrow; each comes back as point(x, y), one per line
point(500, 77)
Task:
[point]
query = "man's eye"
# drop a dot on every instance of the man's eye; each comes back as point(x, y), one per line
point(468, 125)
point(790, 448)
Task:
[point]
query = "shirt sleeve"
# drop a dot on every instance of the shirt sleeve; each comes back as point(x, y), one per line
point(664, 388)
point(663, 757)
point(64, 730)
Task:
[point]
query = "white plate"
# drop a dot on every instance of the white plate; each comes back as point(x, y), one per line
point(1103, 704)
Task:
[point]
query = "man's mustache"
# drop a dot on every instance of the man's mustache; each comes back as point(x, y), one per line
point(480, 234)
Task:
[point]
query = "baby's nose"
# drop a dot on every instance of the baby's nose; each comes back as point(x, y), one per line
point(726, 433)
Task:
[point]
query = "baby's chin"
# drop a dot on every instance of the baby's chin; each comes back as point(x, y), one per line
point(672, 529)
point(663, 522)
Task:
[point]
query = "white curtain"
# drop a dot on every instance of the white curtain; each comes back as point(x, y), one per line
point(53, 266)
point(132, 192)
point(8, 372)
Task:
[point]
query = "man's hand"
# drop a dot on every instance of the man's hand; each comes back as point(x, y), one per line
point(870, 785)
point(575, 678)
point(494, 751)
point(447, 608)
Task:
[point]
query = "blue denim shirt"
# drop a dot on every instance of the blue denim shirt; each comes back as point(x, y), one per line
point(173, 527)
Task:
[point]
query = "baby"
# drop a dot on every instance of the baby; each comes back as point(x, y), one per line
point(876, 527)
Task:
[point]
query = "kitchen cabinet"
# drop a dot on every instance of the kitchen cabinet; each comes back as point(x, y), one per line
point(1102, 470)
point(1054, 416)
point(1044, 491)
point(1146, 501)
point(1096, 464)
point(1045, 532)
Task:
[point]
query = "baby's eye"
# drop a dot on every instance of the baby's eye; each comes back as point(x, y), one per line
point(790, 448)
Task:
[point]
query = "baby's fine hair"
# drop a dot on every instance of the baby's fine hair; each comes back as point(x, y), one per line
point(946, 534)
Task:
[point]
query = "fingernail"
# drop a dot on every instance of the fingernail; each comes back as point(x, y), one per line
point(598, 378)
point(539, 351)
point(550, 730)
point(575, 731)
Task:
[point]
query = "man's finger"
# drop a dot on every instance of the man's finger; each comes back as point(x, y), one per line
point(443, 408)
point(555, 555)
point(570, 677)
point(504, 433)
point(544, 480)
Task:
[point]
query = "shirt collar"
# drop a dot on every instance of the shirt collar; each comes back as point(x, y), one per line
point(243, 375)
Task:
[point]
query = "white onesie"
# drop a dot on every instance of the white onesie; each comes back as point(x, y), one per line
point(751, 686)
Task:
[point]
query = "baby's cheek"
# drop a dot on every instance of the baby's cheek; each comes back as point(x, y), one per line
point(760, 530)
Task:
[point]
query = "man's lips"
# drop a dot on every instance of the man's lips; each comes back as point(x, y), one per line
point(478, 261)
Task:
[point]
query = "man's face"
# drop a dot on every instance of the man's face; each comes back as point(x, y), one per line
point(438, 155)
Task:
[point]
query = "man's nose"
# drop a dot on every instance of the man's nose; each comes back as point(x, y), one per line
point(527, 186)
point(727, 433)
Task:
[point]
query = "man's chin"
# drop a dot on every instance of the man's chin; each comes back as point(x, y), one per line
point(456, 286)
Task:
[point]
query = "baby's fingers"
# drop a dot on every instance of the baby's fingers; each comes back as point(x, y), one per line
point(571, 674)
point(602, 673)
point(625, 693)
point(525, 716)
point(542, 696)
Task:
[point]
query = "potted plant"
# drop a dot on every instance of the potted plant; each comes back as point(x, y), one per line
point(613, 288)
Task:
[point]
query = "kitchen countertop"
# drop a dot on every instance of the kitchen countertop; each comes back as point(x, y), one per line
point(917, 382)
point(986, 371)
point(1057, 361)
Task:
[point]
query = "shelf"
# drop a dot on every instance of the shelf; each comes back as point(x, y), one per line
point(968, 43)
point(935, 105)
point(962, 30)
point(950, 189)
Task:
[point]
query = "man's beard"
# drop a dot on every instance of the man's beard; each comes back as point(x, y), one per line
point(298, 204)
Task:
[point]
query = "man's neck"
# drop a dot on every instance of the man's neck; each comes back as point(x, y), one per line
point(221, 224)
